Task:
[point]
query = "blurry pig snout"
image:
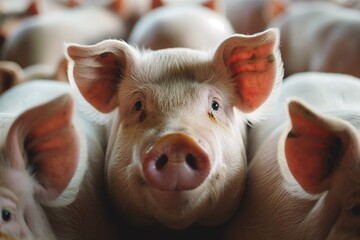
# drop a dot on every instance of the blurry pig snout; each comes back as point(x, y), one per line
point(176, 162)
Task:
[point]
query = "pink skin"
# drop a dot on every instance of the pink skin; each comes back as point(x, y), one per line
point(68, 152)
point(164, 27)
point(327, 42)
point(12, 220)
point(176, 163)
point(303, 178)
point(40, 40)
point(176, 114)
point(37, 135)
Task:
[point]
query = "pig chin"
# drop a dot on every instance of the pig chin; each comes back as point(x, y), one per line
point(178, 209)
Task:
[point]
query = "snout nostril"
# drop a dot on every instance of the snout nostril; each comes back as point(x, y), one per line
point(191, 161)
point(161, 162)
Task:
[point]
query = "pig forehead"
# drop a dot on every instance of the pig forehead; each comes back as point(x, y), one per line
point(178, 63)
point(17, 181)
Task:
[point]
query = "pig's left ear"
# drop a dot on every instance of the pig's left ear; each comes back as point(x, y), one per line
point(316, 146)
point(96, 70)
point(254, 65)
point(43, 141)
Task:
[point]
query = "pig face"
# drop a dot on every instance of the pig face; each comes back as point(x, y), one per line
point(38, 157)
point(176, 147)
point(322, 153)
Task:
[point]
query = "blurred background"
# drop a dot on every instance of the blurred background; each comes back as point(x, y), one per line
point(315, 35)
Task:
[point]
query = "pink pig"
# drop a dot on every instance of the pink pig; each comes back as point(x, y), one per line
point(29, 177)
point(165, 26)
point(67, 148)
point(319, 36)
point(40, 39)
point(303, 179)
point(176, 122)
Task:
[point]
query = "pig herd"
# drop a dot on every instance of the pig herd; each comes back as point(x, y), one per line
point(182, 119)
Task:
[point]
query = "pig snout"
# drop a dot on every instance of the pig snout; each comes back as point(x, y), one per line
point(176, 162)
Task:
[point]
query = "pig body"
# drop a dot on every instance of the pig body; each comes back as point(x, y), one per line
point(27, 183)
point(12, 74)
point(176, 122)
point(40, 39)
point(247, 16)
point(165, 26)
point(303, 180)
point(82, 211)
point(319, 36)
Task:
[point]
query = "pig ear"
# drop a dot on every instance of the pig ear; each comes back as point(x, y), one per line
point(10, 75)
point(44, 140)
point(33, 8)
point(254, 65)
point(61, 71)
point(273, 9)
point(156, 4)
point(97, 70)
point(212, 4)
point(314, 147)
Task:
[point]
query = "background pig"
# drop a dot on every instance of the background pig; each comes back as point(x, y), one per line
point(247, 16)
point(189, 25)
point(12, 74)
point(303, 181)
point(82, 211)
point(176, 122)
point(30, 177)
point(40, 39)
point(319, 36)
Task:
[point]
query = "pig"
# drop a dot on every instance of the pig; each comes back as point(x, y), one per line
point(12, 74)
point(165, 27)
point(11, 16)
point(28, 178)
point(247, 16)
point(303, 178)
point(176, 122)
point(40, 39)
point(82, 211)
point(319, 36)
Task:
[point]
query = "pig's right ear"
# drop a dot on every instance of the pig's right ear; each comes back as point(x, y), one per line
point(96, 70)
point(44, 142)
point(253, 64)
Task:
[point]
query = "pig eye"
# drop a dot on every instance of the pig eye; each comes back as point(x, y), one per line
point(355, 210)
point(215, 105)
point(6, 215)
point(138, 105)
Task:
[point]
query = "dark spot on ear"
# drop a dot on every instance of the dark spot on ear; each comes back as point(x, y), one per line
point(291, 134)
point(336, 150)
point(355, 210)
point(217, 176)
point(271, 58)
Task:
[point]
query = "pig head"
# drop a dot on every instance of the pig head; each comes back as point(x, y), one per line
point(322, 154)
point(177, 122)
point(38, 156)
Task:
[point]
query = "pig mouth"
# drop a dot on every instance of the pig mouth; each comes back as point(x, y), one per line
point(180, 202)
